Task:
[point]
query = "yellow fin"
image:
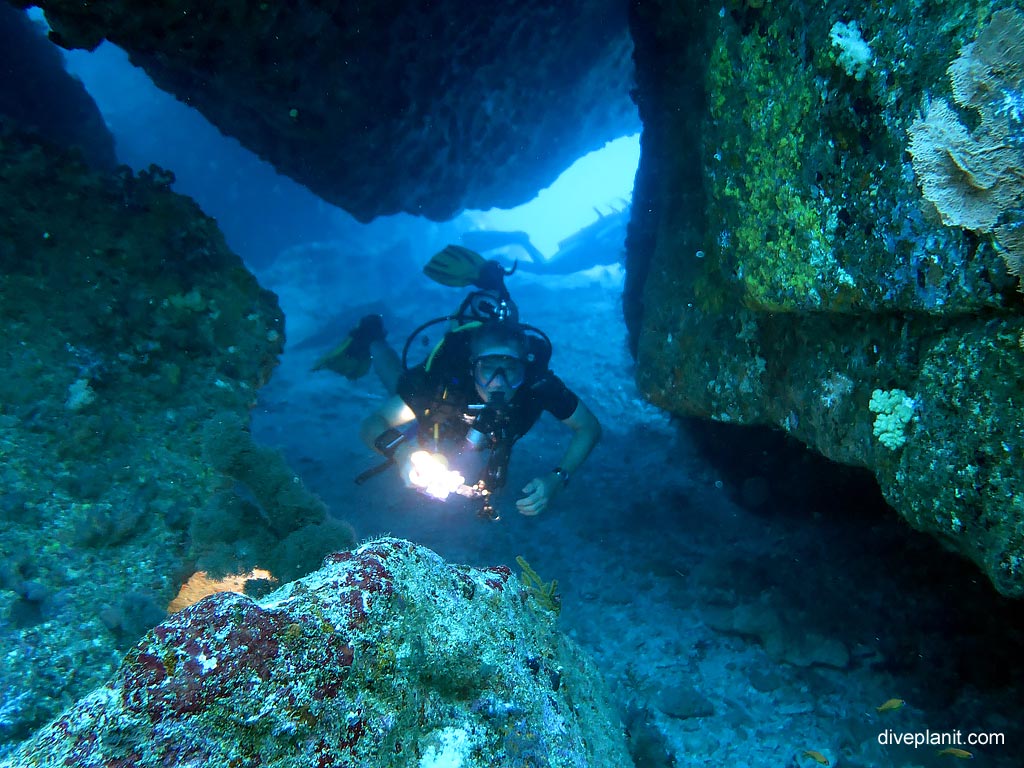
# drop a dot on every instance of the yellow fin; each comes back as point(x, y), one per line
point(455, 266)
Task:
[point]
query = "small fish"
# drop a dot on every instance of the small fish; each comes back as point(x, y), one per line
point(963, 754)
point(816, 756)
point(891, 705)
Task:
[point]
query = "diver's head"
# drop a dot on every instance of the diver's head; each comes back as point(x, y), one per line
point(498, 356)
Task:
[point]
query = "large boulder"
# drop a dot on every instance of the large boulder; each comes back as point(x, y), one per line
point(825, 240)
point(133, 345)
point(389, 105)
point(386, 656)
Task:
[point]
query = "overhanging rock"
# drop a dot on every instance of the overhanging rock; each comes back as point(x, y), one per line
point(393, 105)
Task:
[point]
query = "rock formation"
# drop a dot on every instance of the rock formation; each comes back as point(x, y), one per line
point(386, 656)
point(795, 258)
point(39, 95)
point(388, 106)
point(133, 346)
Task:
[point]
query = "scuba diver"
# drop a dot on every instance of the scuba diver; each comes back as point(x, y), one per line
point(451, 421)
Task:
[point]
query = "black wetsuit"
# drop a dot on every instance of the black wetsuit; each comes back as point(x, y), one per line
point(449, 411)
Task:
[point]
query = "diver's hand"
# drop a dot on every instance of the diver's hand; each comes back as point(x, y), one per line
point(539, 493)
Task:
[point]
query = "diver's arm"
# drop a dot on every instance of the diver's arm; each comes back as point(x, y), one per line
point(393, 413)
point(586, 432)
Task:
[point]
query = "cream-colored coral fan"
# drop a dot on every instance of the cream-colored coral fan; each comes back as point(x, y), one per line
point(1011, 238)
point(968, 177)
point(992, 63)
point(975, 177)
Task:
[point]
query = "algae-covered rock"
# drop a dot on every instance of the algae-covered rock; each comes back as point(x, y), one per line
point(127, 326)
point(808, 235)
point(386, 656)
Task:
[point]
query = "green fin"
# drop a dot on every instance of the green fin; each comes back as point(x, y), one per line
point(350, 366)
point(455, 267)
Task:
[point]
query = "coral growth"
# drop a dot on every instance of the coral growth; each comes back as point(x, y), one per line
point(894, 410)
point(975, 178)
point(778, 217)
point(545, 593)
point(855, 54)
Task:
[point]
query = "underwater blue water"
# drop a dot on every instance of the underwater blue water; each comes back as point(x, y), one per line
point(745, 600)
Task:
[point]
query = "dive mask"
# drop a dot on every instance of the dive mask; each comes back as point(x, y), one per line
point(487, 368)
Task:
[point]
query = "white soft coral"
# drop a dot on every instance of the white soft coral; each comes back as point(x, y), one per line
point(855, 55)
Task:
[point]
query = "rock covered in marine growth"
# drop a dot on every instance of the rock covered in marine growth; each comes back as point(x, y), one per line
point(134, 344)
point(386, 656)
point(822, 255)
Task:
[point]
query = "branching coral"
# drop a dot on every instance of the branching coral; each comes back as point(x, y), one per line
point(545, 593)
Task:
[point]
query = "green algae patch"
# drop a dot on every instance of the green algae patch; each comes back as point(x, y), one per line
point(776, 240)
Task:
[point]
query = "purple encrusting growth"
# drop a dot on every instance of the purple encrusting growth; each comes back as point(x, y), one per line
point(178, 671)
point(385, 656)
